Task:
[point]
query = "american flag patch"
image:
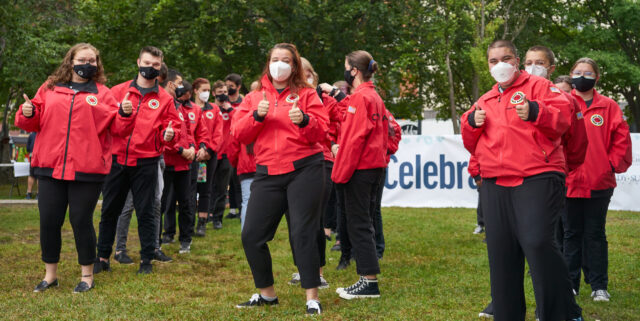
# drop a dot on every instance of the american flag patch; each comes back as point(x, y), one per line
point(554, 90)
point(351, 109)
point(579, 115)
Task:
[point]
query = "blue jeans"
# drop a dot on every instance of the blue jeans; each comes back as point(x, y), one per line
point(245, 185)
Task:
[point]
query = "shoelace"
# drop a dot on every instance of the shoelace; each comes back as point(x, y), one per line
point(602, 293)
point(254, 298)
point(356, 285)
point(313, 304)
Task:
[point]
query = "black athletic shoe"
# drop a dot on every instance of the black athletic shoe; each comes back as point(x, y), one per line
point(336, 247)
point(159, 256)
point(487, 312)
point(362, 289)
point(343, 264)
point(314, 307)
point(43, 286)
point(256, 300)
point(100, 266)
point(166, 239)
point(217, 224)
point(28, 196)
point(145, 267)
point(201, 229)
point(123, 258)
point(83, 287)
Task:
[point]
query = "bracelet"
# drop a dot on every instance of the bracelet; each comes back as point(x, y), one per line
point(333, 92)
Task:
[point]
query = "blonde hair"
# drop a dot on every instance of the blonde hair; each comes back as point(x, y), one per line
point(306, 65)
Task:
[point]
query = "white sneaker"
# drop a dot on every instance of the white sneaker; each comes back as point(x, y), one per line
point(323, 283)
point(295, 279)
point(600, 295)
point(478, 230)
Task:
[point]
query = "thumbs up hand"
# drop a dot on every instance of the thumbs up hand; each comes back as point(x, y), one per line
point(479, 117)
point(168, 132)
point(295, 114)
point(127, 106)
point(263, 106)
point(523, 110)
point(27, 107)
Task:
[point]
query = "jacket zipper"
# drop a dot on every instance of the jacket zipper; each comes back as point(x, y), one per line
point(546, 159)
point(276, 130)
point(66, 146)
point(126, 152)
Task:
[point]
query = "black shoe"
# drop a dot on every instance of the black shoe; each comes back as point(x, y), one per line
point(210, 219)
point(217, 224)
point(362, 289)
point(336, 247)
point(42, 286)
point(232, 215)
point(100, 266)
point(488, 311)
point(145, 267)
point(256, 300)
point(166, 239)
point(201, 229)
point(159, 256)
point(83, 287)
point(314, 307)
point(28, 196)
point(185, 248)
point(343, 264)
point(123, 258)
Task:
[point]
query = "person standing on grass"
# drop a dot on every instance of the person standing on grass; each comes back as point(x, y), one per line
point(234, 84)
point(515, 131)
point(287, 123)
point(135, 159)
point(75, 117)
point(591, 185)
point(31, 180)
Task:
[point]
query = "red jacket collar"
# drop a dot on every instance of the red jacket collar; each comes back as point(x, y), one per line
point(522, 78)
point(597, 99)
point(364, 85)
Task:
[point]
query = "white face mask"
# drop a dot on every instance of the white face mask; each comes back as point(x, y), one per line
point(503, 71)
point(536, 70)
point(204, 96)
point(310, 81)
point(279, 70)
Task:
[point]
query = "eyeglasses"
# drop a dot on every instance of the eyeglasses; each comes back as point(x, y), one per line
point(579, 73)
point(83, 61)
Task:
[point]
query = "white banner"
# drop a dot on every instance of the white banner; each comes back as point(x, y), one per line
point(431, 171)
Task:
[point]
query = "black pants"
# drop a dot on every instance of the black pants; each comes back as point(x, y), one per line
point(585, 235)
point(479, 215)
point(341, 220)
point(205, 189)
point(358, 206)
point(141, 180)
point(54, 198)
point(271, 195)
point(520, 223)
point(180, 182)
point(220, 185)
point(330, 213)
point(377, 217)
point(235, 192)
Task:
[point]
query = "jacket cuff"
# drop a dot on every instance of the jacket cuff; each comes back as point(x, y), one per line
point(121, 112)
point(211, 152)
point(333, 143)
point(534, 110)
point(305, 121)
point(472, 119)
point(33, 113)
point(203, 146)
point(180, 149)
point(340, 96)
point(477, 178)
point(192, 145)
point(256, 117)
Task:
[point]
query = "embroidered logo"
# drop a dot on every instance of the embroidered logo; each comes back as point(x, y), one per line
point(154, 104)
point(225, 116)
point(92, 100)
point(517, 98)
point(192, 116)
point(209, 115)
point(597, 120)
point(292, 98)
point(181, 117)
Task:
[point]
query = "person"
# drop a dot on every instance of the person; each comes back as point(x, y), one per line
point(135, 159)
point(234, 85)
point(474, 171)
point(522, 193)
point(242, 158)
point(564, 83)
point(75, 116)
point(31, 180)
point(213, 121)
point(591, 185)
point(286, 121)
point(254, 85)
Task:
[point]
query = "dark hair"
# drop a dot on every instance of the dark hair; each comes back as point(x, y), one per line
point(163, 72)
point(172, 75)
point(563, 79)
point(550, 56)
point(199, 82)
point(218, 84)
point(296, 79)
point(589, 61)
point(65, 71)
point(187, 85)
point(503, 44)
point(363, 61)
point(152, 51)
point(235, 78)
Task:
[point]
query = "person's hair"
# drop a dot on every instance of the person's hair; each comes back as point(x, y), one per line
point(363, 61)
point(164, 70)
point(64, 72)
point(187, 86)
point(235, 78)
point(589, 61)
point(172, 75)
point(152, 51)
point(563, 79)
point(296, 79)
point(503, 44)
point(307, 65)
point(218, 84)
point(550, 56)
point(199, 82)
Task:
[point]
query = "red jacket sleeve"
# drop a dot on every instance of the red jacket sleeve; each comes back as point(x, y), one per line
point(244, 126)
point(470, 134)
point(32, 124)
point(202, 134)
point(171, 115)
point(575, 138)
point(474, 167)
point(354, 131)
point(233, 152)
point(620, 143)
point(121, 126)
point(553, 109)
point(316, 128)
point(395, 134)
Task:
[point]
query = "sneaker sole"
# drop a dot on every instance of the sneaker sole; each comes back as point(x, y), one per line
point(159, 261)
point(326, 286)
point(124, 263)
point(348, 296)
point(600, 300)
point(485, 315)
point(256, 306)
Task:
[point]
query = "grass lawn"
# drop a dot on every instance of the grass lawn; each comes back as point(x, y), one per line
point(434, 269)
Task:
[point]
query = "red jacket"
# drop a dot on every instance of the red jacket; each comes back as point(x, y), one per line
point(226, 116)
point(574, 140)
point(155, 110)
point(510, 148)
point(335, 118)
point(609, 147)
point(197, 128)
point(75, 131)
point(242, 158)
point(278, 141)
point(395, 135)
point(173, 152)
point(474, 167)
point(213, 120)
point(364, 134)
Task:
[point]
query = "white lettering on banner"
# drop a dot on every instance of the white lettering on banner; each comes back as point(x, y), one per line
point(431, 171)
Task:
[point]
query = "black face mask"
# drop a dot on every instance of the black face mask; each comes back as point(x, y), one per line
point(583, 84)
point(149, 72)
point(86, 71)
point(348, 77)
point(222, 98)
point(232, 91)
point(180, 91)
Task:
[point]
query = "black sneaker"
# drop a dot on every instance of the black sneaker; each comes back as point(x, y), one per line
point(201, 229)
point(83, 287)
point(210, 218)
point(28, 196)
point(166, 239)
point(336, 247)
point(100, 266)
point(145, 267)
point(357, 284)
point(43, 286)
point(256, 300)
point(185, 247)
point(217, 224)
point(488, 311)
point(123, 258)
point(343, 264)
point(159, 256)
point(366, 289)
point(314, 307)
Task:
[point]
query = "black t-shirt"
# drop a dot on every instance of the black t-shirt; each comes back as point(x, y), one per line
point(589, 102)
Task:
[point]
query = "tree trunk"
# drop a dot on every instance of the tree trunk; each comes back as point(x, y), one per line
point(5, 156)
point(633, 99)
point(452, 103)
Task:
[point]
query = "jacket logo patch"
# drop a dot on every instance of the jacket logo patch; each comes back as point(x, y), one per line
point(292, 98)
point(597, 120)
point(154, 104)
point(517, 98)
point(351, 109)
point(225, 116)
point(192, 116)
point(181, 117)
point(92, 100)
point(209, 115)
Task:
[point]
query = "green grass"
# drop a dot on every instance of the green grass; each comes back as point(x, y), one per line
point(5, 189)
point(434, 269)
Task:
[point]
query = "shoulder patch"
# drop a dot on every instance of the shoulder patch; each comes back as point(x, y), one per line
point(351, 109)
point(554, 89)
point(579, 115)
